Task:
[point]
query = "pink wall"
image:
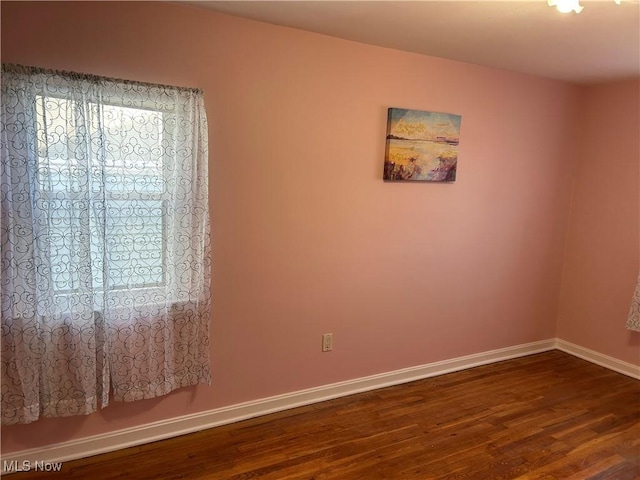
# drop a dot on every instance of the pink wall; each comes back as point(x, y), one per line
point(602, 257)
point(307, 237)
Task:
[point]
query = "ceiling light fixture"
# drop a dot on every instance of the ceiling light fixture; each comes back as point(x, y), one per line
point(566, 6)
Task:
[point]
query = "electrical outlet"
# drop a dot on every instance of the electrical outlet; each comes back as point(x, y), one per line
point(327, 342)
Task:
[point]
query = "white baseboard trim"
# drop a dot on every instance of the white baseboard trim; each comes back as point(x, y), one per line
point(601, 359)
point(174, 427)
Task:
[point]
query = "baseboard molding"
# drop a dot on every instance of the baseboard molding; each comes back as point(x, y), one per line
point(598, 358)
point(152, 432)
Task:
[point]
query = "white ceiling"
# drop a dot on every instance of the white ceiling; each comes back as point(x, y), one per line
point(600, 44)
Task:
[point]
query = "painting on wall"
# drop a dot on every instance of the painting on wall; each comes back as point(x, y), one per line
point(421, 146)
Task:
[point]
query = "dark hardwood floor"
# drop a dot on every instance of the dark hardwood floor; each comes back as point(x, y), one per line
point(549, 416)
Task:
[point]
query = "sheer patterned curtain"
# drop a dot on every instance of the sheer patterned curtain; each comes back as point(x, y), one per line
point(104, 239)
point(633, 321)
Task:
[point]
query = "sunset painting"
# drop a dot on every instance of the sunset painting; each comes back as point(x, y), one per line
point(421, 146)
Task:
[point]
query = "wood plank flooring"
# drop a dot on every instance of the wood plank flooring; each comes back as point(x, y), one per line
point(549, 416)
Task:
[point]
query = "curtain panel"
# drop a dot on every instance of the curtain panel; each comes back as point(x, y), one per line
point(105, 244)
point(633, 321)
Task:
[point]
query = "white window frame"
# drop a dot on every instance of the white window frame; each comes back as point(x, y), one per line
point(128, 295)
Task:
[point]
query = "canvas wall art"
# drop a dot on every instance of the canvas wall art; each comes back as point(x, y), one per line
point(421, 146)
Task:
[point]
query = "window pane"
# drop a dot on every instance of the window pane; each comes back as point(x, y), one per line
point(131, 141)
point(108, 189)
point(134, 243)
point(57, 136)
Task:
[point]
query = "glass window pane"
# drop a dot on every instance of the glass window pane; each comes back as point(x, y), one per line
point(134, 237)
point(130, 141)
point(121, 171)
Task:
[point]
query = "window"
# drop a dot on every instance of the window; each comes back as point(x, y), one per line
point(104, 242)
point(125, 170)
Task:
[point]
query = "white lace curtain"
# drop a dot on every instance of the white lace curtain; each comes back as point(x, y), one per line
point(104, 242)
